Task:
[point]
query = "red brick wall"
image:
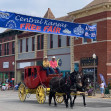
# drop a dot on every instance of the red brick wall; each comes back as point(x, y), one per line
point(26, 34)
point(5, 39)
point(9, 59)
point(39, 54)
point(108, 29)
point(109, 78)
point(93, 17)
point(10, 48)
point(101, 48)
point(87, 51)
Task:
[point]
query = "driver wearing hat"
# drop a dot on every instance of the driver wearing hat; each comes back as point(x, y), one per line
point(54, 65)
point(46, 66)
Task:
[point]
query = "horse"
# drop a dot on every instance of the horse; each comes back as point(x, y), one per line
point(82, 84)
point(62, 85)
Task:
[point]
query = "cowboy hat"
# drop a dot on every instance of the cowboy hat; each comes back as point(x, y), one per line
point(53, 57)
point(45, 57)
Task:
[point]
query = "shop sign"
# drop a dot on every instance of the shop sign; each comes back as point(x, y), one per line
point(5, 64)
point(24, 64)
point(89, 61)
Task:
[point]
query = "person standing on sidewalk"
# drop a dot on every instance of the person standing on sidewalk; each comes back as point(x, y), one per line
point(102, 89)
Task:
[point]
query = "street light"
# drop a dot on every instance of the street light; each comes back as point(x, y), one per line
point(13, 63)
point(94, 57)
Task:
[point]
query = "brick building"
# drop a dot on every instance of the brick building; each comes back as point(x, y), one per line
point(7, 54)
point(32, 47)
point(97, 12)
point(72, 52)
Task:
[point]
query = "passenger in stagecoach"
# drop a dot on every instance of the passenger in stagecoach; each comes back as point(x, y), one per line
point(54, 65)
point(46, 66)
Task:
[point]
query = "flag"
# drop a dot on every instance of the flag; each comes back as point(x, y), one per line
point(102, 79)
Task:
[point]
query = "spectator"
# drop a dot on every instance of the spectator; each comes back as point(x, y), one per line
point(3, 87)
point(7, 86)
point(53, 65)
point(102, 89)
point(16, 87)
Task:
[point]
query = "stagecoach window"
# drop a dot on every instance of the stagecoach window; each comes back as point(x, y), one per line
point(25, 73)
point(29, 72)
point(35, 72)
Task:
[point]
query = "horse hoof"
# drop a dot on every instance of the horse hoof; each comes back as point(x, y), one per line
point(71, 105)
point(85, 105)
point(55, 104)
point(66, 106)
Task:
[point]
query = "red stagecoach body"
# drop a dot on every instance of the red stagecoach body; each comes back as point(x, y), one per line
point(35, 75)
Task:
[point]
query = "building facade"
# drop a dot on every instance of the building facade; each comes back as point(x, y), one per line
point(71, 52)
point(97, 12)
point(7, 54)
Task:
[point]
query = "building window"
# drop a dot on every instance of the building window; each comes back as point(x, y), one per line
point(84, 40)
point(33, 43)
point(21, 46)
point(94, 40)
point(38, 42)
point(7, 48)
point(13, 47)
point(27, 41)
point(51, 41)
point(76, 66)
point(0, 49)
point(59, 41)
point(68, 41)
point(42, 41)
point(90, 73)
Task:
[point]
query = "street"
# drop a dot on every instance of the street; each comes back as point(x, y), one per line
point(9, 101)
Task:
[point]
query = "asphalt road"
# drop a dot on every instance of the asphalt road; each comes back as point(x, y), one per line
point(9, 101)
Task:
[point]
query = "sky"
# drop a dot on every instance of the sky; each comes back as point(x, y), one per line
point(38, 8)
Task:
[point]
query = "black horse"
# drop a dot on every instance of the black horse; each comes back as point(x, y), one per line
point(62, 85)
point(82, 84)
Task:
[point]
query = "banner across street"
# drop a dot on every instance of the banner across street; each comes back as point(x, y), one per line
point(36, 24)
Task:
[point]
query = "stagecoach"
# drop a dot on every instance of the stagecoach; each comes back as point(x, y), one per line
point(36, 82)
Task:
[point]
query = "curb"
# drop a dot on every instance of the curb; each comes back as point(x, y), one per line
point(97, 97)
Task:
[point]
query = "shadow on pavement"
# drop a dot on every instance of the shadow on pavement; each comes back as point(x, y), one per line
point(94, 104)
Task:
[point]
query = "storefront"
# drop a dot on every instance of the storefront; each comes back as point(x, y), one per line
point(6, 76)
point(87, 64)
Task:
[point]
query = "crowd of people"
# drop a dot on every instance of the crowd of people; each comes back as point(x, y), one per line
point(50, 66)
point(6, 85)
point(9, 85)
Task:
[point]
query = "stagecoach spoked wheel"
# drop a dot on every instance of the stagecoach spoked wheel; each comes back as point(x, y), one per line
point(41, 94)
point(59, 98)
point(22, 92)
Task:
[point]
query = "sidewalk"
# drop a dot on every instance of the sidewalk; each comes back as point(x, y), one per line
point(98, 95)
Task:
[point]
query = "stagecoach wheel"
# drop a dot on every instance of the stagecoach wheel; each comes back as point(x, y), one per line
point(59, 98)
point(22, 92)
point(41, 94)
